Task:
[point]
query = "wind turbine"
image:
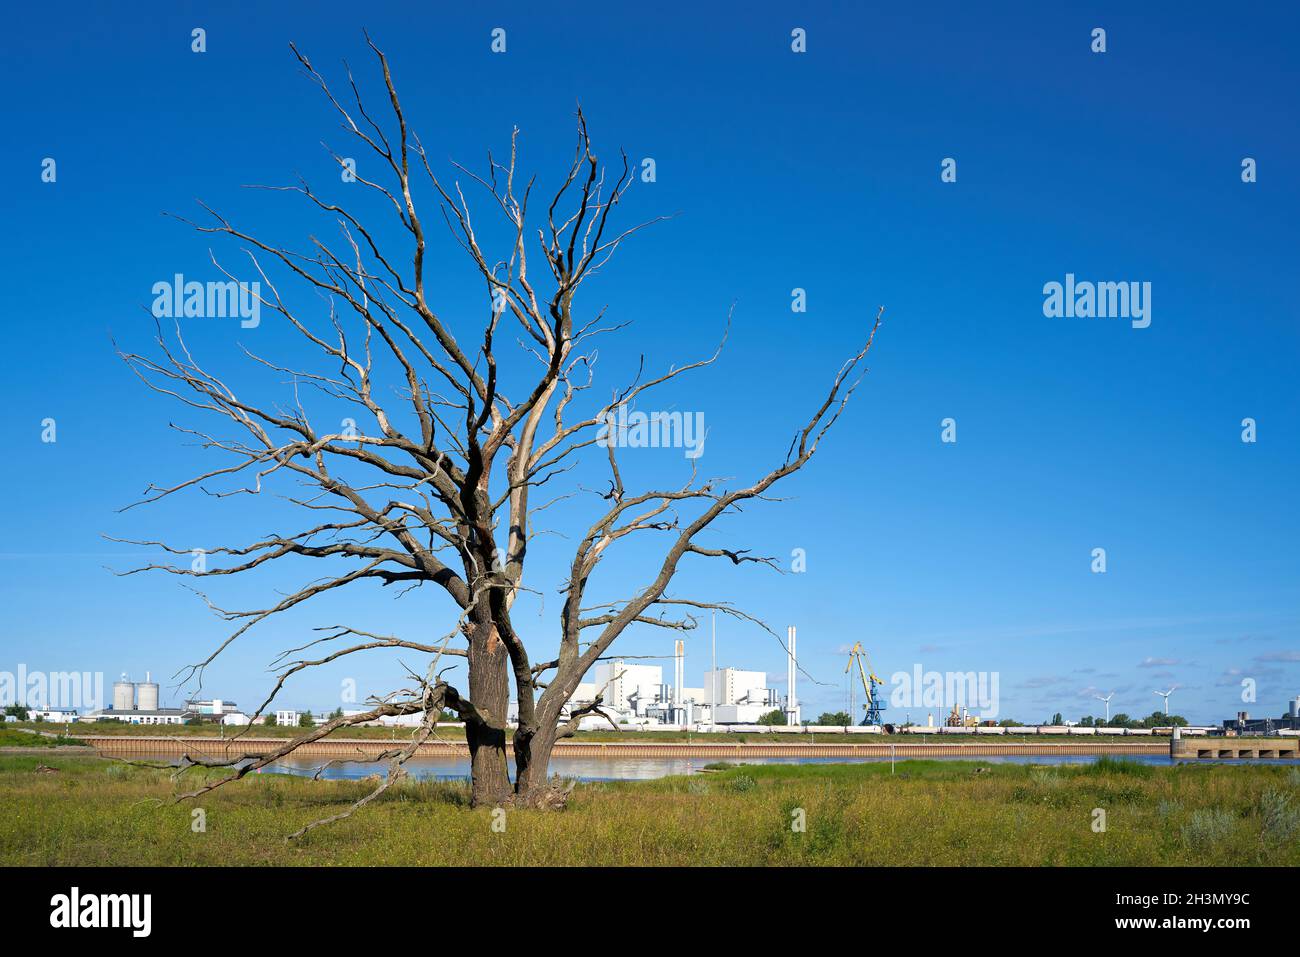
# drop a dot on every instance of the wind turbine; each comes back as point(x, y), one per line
point(1107, 700)
point(1165, 695)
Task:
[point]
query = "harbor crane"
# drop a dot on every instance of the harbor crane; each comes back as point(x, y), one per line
point(870, 683)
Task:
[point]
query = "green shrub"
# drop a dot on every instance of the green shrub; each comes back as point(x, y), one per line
point(1207, 828)
point(1045, 777)
point(742, 783)
point(1279, 818)
point(1108, 765)
point(1167, 808)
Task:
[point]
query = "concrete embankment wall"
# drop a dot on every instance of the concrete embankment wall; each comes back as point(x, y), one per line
point(1236, 748)
point(343, 747)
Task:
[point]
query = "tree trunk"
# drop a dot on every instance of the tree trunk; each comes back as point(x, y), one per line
point(532, 760)
point(489, 690)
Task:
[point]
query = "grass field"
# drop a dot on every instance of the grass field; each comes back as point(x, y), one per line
point(13, 738)
point(96, 812)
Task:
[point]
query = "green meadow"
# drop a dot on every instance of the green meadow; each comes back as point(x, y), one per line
point(64, 810)
point(15, 738)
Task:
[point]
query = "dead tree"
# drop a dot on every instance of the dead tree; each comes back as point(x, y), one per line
point(448, 502)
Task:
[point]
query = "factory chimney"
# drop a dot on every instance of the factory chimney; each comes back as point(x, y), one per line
point(791, 701)
point(679, 676)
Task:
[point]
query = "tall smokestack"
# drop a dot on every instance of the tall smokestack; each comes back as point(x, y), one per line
point(791, 701)
point(679, 674)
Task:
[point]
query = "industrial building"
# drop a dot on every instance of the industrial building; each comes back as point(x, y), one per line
point(1245, 724)
point(632, 694)
point(137, 716)
point(139, 696)
point(636, 694)
point(51, 714)
point(211, 707)
point(628, 688)
point(742, 696)
point(137, 703)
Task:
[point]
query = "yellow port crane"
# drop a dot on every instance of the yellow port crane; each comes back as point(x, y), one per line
point(873, 705)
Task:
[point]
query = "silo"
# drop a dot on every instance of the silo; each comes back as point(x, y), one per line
point(123, 695)
point(1295, 707)
point(147, 694)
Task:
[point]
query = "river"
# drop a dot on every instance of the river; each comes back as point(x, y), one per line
point(644, 768)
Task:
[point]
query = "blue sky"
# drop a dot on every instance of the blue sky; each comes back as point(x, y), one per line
point(818, 170)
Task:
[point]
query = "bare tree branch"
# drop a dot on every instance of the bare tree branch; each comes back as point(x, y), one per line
point(419, 446)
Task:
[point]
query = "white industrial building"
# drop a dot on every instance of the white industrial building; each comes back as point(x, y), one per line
point(52, 714)
point(402, 720)
point(139, 696)
point(211, 707)
point(136, 716)
point(630, 689)
point(632, 694)
point(636, 694)
point(136, 702)
point(742, 697)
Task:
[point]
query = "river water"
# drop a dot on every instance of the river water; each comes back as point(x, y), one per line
point(641, 768)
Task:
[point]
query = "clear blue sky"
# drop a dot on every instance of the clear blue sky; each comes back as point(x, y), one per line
point(818, 171)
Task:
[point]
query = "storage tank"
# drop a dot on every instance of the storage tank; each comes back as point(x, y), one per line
point(123, 695)
point(1295, 707)
point(147, 694)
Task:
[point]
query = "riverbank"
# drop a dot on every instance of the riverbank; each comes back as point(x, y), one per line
point(12, 739)
point(704, 746)
point(90, 811)
point(456, 732)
